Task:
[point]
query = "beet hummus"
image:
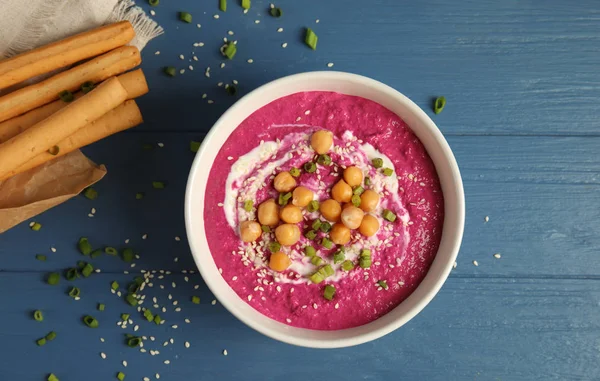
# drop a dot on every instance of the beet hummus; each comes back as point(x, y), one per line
point(323, 210)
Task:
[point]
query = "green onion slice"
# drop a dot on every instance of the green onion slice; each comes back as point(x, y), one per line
point(223, 5)
point(310, 251)
point(377, 162)
point(311, 234)
point(36, 226)
point(170, 71)
point(185, 17)
point(313, 206)
point(88, 86)
point(128, 255)
point(71, 274)
point(356, 200)
point(347, 265)
point(310, 167)
point(84, 246)
point(229, 50)
point(295, 172)
point(311, 39)
point(248, 205)
point(389, 215)
point(388, 171)
point(110, 250)
point(246, 4)
point(51, 336)
point(194, 146)
point(90, 321)
point(53, 279)
point(326, 243)
point(54, 150)
point(316, 260)
point(153, 3)
point(38, 316)
point(325, 227)
point(324, 159)
point(74, 292)
point(196, 299)
point(90, 193)
point(274, 246)
point(276, 12)
point(329, 292)
point(87, 270)
point(439, 104)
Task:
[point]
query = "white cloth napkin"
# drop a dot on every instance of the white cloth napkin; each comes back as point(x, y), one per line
point(27, 24)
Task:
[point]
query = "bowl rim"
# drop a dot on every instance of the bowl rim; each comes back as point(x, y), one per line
point(443, 269)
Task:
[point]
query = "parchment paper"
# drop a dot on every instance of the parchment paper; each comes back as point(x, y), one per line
point(30, 193)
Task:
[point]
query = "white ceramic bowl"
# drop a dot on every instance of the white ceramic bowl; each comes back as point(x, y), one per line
point(423, 127)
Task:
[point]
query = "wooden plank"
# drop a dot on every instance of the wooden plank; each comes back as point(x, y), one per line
point(540, 207)
point(505, 68)
point(482, 329)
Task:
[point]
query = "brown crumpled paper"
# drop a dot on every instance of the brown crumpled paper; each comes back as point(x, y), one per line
point(30, 193)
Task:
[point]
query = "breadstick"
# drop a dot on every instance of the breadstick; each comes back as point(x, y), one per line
point(65, 52)
point(96, 70)
point(57, 127)
point(134, 83)
point(125, 116)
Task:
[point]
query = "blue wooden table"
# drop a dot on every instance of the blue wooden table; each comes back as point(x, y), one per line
point(522, 80)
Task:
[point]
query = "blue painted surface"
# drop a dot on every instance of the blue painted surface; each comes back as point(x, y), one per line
point(522, 84)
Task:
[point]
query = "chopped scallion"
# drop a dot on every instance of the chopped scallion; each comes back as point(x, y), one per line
point(311, 39)
point(96, 253)
point(153, 3)
point(311, 234)
point(248, 205)
point(85, 247)
point(310, 251)
point(367, 181)
point(148, 315)
point(246, 4)
point(326, 243)
point(389, 215)
point(125, 317)
point(377, 162)
point(36, 226)
point(90, 193)
point(38, 316)
point(230, 50)
point(54, 150)
point(358, 190)
point(356, 200)
point(170, 71)
point(223, 5)
point(53, 279)
point(114, 285)
point(185, 17)
point(383, 284)
point(40, 257)
point(41, 342)
point(52, 377)
point(265, 229)
point(316, 278)
point(139, 195)
point(274, 246)
point(316, 260)
point(329, 292)
point(121, 375)
point(101, 307)
point(90, 321)
point(194, 146)
point(313, 206)
point(295, 172)
point(388, 171)
point(157, 319)
point(310, 167)
point(159, 184)
point(128, 255)
point(71, 274)
point(111, 250)
point(316, 224)
point(439, 104)
point(87, 270)
point(339, 257)
point(325, 227)
point(324, 159)
point(276, 12)
point(51, 336)
point(347, 265)
point(196, 299)
point(231, 89)
point(130, 298)
point(74, 292)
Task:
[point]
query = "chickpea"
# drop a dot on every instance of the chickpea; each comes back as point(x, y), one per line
point(353, 176)
point(291, 214)
point(287, 234)
point(339, 234)
point(369, 225)
point(321, 141)
point(352, 217)
point(369, 200)
point(268, 212)
point(341, 192)
point(284, 182)
point(250, 231)
point(279, 261)
point(331, 210)
point(302, 196)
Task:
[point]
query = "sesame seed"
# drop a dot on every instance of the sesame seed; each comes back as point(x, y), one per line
point(157, 376)
point(229, 157)
point(187, 344)
point(317, 21)
point(284, 45)
point(288, 320)
point(454, 265)
point(53, 249)
point(497, 256)
point(198, 25)
point(167, 362)
point(250, 60)
point(330, 64)
point(476, 263)
point(337, 305)
point(146, 379)
point(249, 297)
point(315, 306)
point(487, 218)
point(213, 302)
point(152, 12)
point(181, 71)
point(216, 17)
point(195, 58)
point(124, 363)
point(102, 339)
point(146, 235)
point(257, 21)
point(181, 57)
point(230, 33)
point(279, 30)
point(103, 355)
point(187, 321)
point(224, 352)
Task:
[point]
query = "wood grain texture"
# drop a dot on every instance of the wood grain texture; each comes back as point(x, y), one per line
point(522, 85)
point(541, 221)
point(473, 330)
